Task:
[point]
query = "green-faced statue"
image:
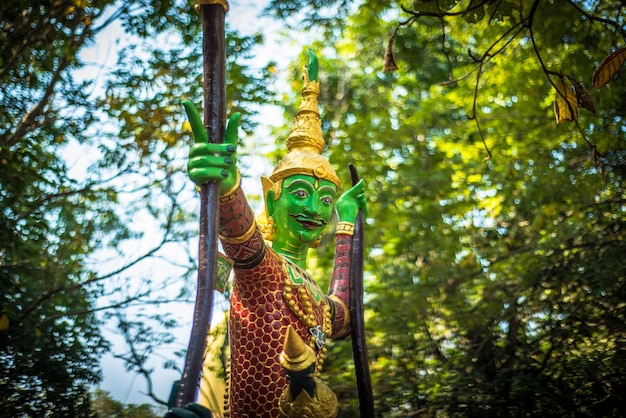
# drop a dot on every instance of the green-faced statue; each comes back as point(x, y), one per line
point(272, 291)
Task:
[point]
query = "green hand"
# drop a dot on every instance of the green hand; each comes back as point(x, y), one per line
point(212, 162)
point(350, 202)
point(193, 410)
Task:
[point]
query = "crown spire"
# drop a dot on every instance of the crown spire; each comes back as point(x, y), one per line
point(305, 142)
point(306, 132)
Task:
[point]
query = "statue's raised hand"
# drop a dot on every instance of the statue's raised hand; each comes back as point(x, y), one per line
point(350, 202)
point(211, 162)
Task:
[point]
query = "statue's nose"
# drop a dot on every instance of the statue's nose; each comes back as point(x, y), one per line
point(312, 205)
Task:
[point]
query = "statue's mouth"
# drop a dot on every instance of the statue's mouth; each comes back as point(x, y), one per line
point(309, 223)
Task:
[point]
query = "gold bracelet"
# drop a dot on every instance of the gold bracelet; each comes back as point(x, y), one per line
point(199, 3)
point(230, 195)
point(238, 240)
point(346, 228)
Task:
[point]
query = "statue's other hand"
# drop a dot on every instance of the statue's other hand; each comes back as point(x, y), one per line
point(211, 162)
point(193, 410)
point(350, 202)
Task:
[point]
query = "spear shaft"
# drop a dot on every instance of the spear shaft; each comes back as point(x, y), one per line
point(357, 319)
point(214, 66)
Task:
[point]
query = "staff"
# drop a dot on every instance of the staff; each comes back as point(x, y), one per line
point(213, 13)
point(357, 320)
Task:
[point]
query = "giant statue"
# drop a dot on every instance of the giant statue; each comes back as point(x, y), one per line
point(280, 319)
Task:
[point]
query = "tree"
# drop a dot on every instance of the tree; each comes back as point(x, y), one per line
point(50, 342)
point(105, 406)
point(495, 285)
point(70, 237)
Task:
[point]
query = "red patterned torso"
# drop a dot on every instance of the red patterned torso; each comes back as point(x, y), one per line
point(261, 310)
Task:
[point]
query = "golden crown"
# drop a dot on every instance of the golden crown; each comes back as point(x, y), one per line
point(305, 142)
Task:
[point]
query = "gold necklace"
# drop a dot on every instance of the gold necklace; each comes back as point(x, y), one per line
point(317, 333)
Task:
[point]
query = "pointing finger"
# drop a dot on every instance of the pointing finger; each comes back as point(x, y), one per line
point(232, 129)
point(197, 127)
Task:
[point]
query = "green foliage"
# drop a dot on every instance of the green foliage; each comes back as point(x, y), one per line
point(104, 406)
point(50, 348)
point(495, 282)
point(68, 241)
point(326, 14)
point(495, 285)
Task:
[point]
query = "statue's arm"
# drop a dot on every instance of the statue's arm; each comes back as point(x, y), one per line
point(347, 207)
point(239, 235)
point(339, 289)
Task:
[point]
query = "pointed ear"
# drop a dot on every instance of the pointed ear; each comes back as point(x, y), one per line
point(269, 194)
point(269, 203)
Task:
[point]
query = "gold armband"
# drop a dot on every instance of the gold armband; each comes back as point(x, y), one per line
point(346, 228)
point(238, 240)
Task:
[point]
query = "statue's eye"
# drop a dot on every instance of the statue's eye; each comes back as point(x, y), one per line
point(327, 200)
point(300, 193)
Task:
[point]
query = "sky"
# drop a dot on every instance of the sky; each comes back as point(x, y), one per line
point(244, 17)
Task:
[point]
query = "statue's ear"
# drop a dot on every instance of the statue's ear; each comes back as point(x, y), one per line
point(269, 203)
point(269, 194)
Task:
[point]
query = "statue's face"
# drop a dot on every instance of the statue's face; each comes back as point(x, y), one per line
point(303, 210)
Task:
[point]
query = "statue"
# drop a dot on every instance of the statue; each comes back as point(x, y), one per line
point(271, 291)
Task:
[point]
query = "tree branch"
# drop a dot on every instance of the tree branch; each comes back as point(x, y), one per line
point(593, 18)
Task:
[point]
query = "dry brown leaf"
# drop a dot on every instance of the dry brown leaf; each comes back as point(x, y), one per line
point(584, 98)
point(389, 63)
point(4, 322)
point(608, 68)
point(565, 103)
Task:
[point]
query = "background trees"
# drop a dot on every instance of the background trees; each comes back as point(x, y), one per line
point(495, 283)
point(93, 189)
